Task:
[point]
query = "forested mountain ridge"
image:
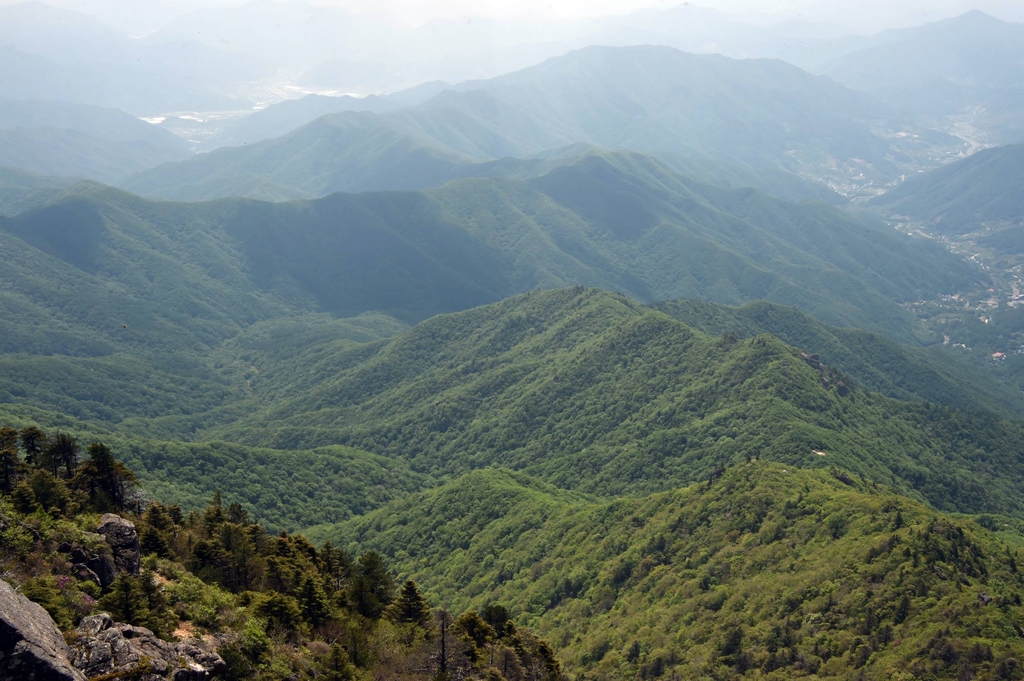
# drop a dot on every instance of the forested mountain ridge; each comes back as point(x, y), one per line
point(355, 151)
point(761, 571)
point(591, 391)
point(177, 287)
point(284, 117)
point(21, 190)
point(299, 384)
point(873, 361)
point(617, 220)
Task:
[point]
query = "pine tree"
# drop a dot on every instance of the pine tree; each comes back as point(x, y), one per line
point(313, 602)
point(157, 616)
point(498, 617)
point(103, 477)
point(63, 450)
point(151, 541)
point(335, 665)
point(10, 461)
point(126, 602)
point(410, 607)
point(475, 631)
point(33, 443)
point(371, 588)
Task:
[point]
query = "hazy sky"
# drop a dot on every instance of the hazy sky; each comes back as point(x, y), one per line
point(897, 11)
point(856, 14)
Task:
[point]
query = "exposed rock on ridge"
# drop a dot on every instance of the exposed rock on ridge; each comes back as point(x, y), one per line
point(31, 646)
point(113, 650)
point(123, 540)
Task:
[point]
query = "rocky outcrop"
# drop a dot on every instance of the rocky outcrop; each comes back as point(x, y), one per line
point(96, 566)
point(101, 647)
point(120, 534)
point(31, 646)
point(830, 377)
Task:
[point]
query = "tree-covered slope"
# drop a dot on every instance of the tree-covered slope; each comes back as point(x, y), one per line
point(872, 360)
point(70, 153)
point(99, 122)
point(280, 489)
point(591, 391)
point(764, 571)
point(959, 198)
point(616, 220)
point(21, 190)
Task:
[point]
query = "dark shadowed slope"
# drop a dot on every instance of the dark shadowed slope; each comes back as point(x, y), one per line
point(618, 221)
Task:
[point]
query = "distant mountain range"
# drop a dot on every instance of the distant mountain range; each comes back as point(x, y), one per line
point(971, 66)
point(284, 117)
point(754, 114)
point(56, 54)
point(60, 138)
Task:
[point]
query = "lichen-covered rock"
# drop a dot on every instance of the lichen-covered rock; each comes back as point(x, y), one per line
point(102, 647)
point(123, 539)
point(31, 646)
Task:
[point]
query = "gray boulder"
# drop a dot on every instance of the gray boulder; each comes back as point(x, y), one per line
point(120, 534)
point(31, 646)
point(97, 566)
point(106, 648)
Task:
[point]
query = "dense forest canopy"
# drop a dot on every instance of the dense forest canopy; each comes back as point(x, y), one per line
point(672, 345)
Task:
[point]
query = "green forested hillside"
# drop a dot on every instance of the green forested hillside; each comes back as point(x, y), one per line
point(620, 221)
point(271, 605)
point(872, 360)
point(280, 489)
point(21, 190)
point(987, 187)
point(590, 391)
point(584, 388)
point(762, 571)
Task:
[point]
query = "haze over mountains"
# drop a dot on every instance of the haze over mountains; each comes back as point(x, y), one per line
point(970, 66)
point(59, 138)
point(651, 99)
point(691, 340)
